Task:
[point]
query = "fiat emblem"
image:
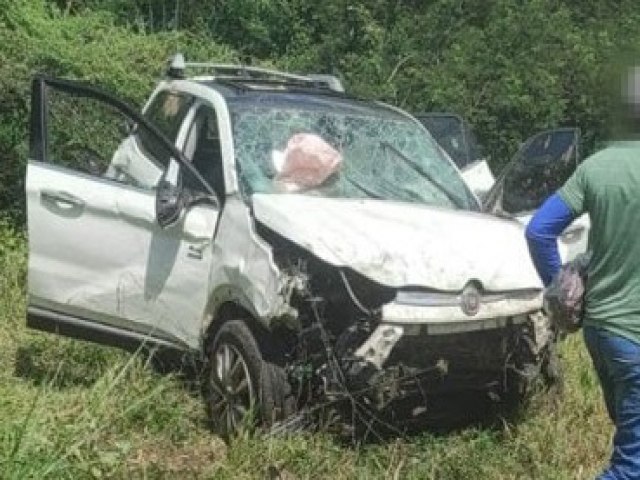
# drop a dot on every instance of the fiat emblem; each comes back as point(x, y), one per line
point(470, 300)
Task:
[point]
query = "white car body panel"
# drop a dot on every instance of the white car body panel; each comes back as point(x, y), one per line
point(401, 245)
point(109, 261)
point(78, 253)
point(217, 101)
point(172, 293)
point(243, 269)
point(573, 241)
point(506, 307)
point(129, 164)
point(478, 177)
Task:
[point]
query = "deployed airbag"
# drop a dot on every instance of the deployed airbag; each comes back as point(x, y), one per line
point(307, 162)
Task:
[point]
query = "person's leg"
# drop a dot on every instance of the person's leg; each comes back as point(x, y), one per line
point(622, 359)
point(593, 338)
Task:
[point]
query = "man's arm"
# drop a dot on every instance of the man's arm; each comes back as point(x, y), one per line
point(542, 234)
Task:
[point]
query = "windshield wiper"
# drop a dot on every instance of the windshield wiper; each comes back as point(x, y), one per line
point(362, 188)
point(418, 169)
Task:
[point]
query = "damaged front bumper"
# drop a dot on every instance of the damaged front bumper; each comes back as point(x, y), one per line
point(417, 351)
point(441, 313)
point(427, 315)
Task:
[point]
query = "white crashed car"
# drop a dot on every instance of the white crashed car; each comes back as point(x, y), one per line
point(357, 268)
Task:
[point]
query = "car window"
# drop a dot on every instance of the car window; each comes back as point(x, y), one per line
point(541, 167)
point(92, 136)
point(166, 111)
point(454, 135)
point(81, 133)
point(202, 149)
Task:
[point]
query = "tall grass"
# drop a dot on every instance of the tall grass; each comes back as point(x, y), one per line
point(69, 409)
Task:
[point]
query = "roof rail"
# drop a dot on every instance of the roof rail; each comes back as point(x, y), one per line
point(243, 71)
point(232, 72)
point(331, 81)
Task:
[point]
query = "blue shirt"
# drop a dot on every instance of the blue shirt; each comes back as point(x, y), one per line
point(542, 234)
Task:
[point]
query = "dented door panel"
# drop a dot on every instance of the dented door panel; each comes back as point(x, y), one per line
point(78, 253)
point(170, 292)
point(110, 262)
point(243, 269)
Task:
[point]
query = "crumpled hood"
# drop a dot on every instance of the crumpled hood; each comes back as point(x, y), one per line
point(399, 244)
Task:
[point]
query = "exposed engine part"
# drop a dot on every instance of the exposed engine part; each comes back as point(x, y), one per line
point(355, 300)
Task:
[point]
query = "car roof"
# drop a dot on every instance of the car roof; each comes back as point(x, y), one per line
point(250, 92)
point(240, 86)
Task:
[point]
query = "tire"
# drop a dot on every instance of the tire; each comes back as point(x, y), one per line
point(543, 373)
point(242, 390)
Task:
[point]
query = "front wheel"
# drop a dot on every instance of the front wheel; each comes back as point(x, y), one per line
point(241, 389)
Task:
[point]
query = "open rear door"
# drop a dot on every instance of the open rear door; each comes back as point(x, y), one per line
point(542, 165)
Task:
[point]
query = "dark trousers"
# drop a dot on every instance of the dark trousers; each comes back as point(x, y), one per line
point(617, 362)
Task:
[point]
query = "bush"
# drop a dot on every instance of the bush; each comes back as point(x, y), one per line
point(511, 68)
point(37, 37)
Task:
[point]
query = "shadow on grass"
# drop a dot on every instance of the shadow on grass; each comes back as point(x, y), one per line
point(444, 416)
point(62, 363)
point(185, 367)
point(67, 363)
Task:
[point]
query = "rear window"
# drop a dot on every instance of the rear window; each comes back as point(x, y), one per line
point(167, 112)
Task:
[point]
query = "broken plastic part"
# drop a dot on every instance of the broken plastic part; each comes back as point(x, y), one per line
point(377, 348)
point(542, 333)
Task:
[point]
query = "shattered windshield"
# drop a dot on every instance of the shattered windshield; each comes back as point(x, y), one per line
point(374, 152)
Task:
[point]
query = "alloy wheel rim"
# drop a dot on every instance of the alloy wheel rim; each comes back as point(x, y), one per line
point(231, 383)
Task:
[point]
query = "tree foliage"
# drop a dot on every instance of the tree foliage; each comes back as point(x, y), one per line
point(510, 67)
point(39, 37)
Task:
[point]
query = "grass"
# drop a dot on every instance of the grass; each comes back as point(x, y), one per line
point(73, 410)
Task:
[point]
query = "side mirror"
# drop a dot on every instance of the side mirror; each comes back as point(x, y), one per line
point(170, 202)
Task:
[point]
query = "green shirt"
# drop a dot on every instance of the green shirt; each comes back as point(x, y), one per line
point(607, 187)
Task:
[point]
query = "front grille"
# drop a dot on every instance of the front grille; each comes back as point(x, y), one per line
point(462, 353)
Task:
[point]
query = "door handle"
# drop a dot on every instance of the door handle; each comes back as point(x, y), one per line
point(62, 197)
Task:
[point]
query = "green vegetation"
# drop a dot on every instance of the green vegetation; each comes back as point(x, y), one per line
point(511, 68)
point(36, 37)
point(74, 410)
